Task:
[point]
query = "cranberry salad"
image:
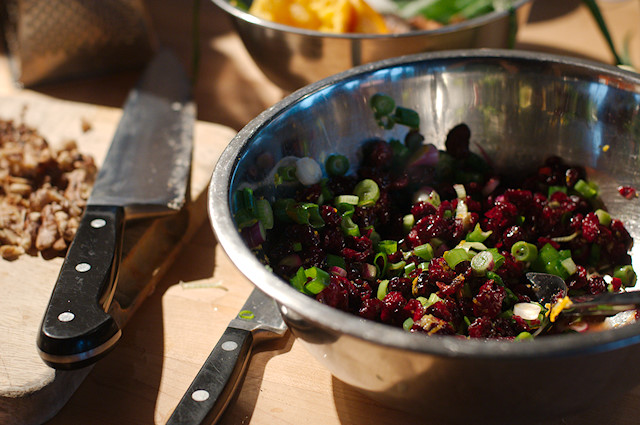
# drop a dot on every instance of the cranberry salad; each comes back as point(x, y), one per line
point(435, 241)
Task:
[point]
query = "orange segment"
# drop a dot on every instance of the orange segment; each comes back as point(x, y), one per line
point(336, 16)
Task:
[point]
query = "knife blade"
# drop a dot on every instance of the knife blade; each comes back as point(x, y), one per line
point(216, 382)
point(146, 173)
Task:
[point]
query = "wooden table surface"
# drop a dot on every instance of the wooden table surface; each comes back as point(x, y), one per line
point(165, 343)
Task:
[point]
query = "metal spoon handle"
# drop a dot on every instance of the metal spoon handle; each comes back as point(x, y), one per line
point(604, 304)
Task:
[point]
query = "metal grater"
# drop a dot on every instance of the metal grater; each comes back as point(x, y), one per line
point(51, 40)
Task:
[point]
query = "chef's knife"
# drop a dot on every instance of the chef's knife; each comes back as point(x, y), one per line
point(146, 173)
point(214, 385)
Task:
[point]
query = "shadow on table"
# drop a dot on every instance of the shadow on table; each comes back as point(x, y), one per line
point(229, 88)
point(242, 406)
point(544, 10)
point(354, 408)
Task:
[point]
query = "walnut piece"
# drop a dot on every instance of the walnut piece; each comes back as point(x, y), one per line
point(43, 192)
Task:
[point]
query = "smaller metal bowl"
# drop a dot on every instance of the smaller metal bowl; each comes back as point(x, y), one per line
point(293, 57)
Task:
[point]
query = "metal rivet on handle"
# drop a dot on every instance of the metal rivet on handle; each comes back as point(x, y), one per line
point(67, 316)
point(229, 345)
point(83, 267)
point(200, 395)
point(98, 223)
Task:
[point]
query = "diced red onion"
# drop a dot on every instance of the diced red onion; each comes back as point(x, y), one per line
point(291, 260)
point(308, 171)
point(368, 271)
point(528, 311)
point(422, 194)
point(490, 186)
point(339, 271)
point(429, 156)
point(254, 235)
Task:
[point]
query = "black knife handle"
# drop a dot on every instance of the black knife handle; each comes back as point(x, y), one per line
point(212, 388)
point(76, 328)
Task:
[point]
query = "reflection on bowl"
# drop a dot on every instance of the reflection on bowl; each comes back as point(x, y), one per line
point(521, 108)
point(293, 57)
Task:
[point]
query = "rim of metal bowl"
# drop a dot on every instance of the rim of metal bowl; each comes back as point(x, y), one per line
point(470, 23)
point(340, 322)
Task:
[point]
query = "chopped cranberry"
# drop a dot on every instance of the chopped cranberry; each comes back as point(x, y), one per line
point(628, 192)
point(488, 302)
point(393, 308)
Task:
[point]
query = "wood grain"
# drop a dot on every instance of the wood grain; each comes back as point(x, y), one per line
point(30, 391)
point(170, 336)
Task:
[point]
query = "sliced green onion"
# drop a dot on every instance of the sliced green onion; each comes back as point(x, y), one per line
point(306, 213)
point(461, 192)
point(422, 300)
point(424, 251)
point(407, 324)
point(569, 265)
point(548, 253)
point(382, 289)
point(367, 191)
point(436, 242)
point(554, 189)
point(433, 298)
point(524, 336)
point(469, 246)
point(477, 235)
point(314, 287)
point(406, 116)
point(244, 218)
point(346, 199)
point(407, 222)
point(498, 258)
point(337, 165)
point(388, 246)
point(433, 198)
point(299, 279)
point(482, 262)
point(424, 266)
point(394, 268)
point(409, 268)
point(346, 210)
point(317, 273)
point(282, 208)
point(381, 263)
point(382, 104)
point(325, 193)
point(245, 200)
point(349, 228)
point(455, 256)
point(495, 277)
point(336, 261)
point(246, 315)
point(264, 213)
point(400, 152)
point(586, 189)
point(308, 171)
point(603, 217)
point(524, 251)
point(626, 274)
point(287, 173)
point(555, 267)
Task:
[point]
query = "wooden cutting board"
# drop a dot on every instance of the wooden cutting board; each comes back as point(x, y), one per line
point(30, 391)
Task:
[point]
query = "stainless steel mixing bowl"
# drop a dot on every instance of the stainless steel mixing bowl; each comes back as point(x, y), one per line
point(293, 57)
point(521, 107)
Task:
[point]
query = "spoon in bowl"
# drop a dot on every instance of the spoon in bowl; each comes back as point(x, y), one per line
point(552, 289)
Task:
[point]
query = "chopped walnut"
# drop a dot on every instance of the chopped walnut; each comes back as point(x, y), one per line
point(43, 192)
